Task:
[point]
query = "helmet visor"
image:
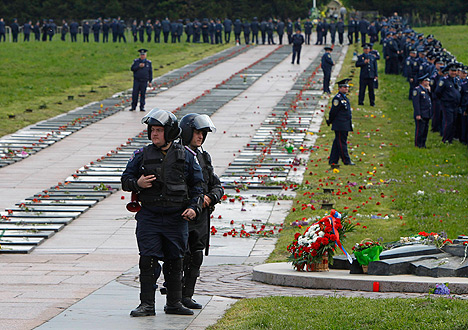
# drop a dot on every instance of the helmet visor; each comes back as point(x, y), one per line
point(203, 122)
point(155, 117)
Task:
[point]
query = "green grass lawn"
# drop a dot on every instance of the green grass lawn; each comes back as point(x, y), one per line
point(334, 313)
point(380, 194)
point(35, 74)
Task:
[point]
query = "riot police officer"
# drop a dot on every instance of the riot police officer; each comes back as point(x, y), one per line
point(340, 117)
point(167, 180)
point(142, 77)
point(327, 64)
point(195, 128)
point(422, 106)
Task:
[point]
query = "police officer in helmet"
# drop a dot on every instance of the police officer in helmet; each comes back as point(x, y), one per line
point(195, 128)
point(168, 181)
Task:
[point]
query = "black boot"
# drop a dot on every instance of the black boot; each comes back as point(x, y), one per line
point(172, 270)
point(190, 303)
point(146, 307)
point(177, 308)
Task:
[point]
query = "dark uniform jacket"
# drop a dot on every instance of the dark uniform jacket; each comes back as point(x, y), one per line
point(178, 177)
point(327, 62)
point(340, 113)
point(297, 40)
point(422, 104)
point(308, 27)
point(142, 74)
point(368, 70)
point(448, 91)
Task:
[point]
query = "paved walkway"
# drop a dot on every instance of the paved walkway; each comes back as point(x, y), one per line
point(79, 270)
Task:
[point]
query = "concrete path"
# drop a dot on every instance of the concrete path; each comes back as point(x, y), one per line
point(92, 253)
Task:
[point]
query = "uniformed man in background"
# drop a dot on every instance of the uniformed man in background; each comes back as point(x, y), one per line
point(142, 77)
point(340, 118)
point(297, 41)
point(368, 65)
point(327, 65)
point(422, 113)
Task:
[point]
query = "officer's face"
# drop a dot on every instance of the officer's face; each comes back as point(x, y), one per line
point(344, 89)
point(157, 136)
point(453, 73)
point(197, 138)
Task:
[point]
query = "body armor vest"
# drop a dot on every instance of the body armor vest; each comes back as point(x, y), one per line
point(204, 159)
point(169, 189)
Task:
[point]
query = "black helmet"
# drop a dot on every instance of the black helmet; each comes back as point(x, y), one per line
point(195, 121)
point(164, 118)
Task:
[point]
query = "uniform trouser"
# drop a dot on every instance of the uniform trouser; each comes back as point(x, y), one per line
point(237, 37)
point(37, 37)
point(62, 36)
point(340, 38)
point(197, 242)
point(340, 148)
point(263, 33)
point(135, 37)
point(326, 81)
point(324, 38)
point(219, 38)
point(114, 37)
point(270, 39)
point(448, 129)
point(212, 38)
point(96, 37)
point(436, 116)
point(280, 37)
point(289, 38)
point(173, 38)
point(2, 36)
point(307, 38)
point(420, 132)
point(26, 37)
point(166, 36)
point(363, 38)
point(296, 53)
point(73, 37)
point(247, 38)
point(85, 37)
point(142, 37)
point(50, 37)
point(464, 129)
point(139, 89)
point(457, 123)
point(227, 36)
point(393, 65)
point(319, 38)
point(255, 38)
point(206, 38)
point(332, 35)
point(105, 37)
point(188, 38)
point(15, 37)
point(157, 37)
point(350, 38)
point(122, 37)
point(356, 36)
point(149, 37)
point(363, 84)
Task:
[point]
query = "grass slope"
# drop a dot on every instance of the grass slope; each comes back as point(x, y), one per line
point(35, 74)
point(381, 194)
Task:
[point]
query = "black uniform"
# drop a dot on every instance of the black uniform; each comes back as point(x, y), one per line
point(297, 41)
point(280, 31)
point(14, 31)
point(141, 77)
point(270, 28)
point(340, 117)
point(227, 29)
point(255, 27)
point(327, 64)
point(308, 31)
point(86, 29)
point(105, 31)
point(161, 231)
point(166, 28)
point(366, 77)
point(96, 30)
point(448, 91)
point(157, 31)
point(73, 31)
point(199, 230)
point(422, 106)
point(2, 31)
